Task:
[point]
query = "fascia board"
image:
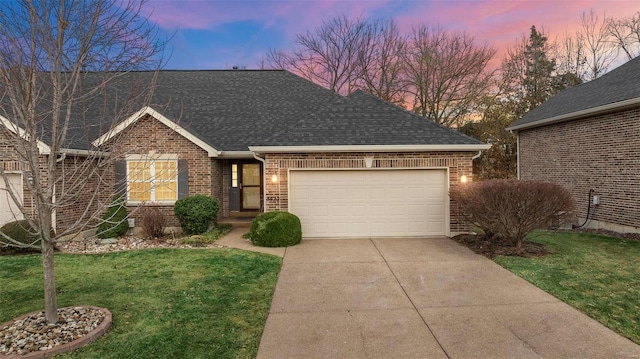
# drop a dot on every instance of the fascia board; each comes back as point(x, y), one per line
point(43, 148)
point(370, 148)
point(616, 106)
point(147, 110)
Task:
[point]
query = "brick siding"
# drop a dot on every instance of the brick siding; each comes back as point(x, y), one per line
point(600, 153)
point(148, 134)
point(458, 163)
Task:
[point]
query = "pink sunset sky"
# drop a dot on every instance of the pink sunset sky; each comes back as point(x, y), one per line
point(212, 34)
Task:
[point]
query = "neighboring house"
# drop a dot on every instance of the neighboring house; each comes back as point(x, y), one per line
point(267, 140)
point(587, 138)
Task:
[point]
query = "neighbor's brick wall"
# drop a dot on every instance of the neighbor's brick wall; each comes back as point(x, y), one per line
point(78, 186)
point(11, 162)
point(81, 193)
point(459, 163)
point(149, 134)
point(600, 153)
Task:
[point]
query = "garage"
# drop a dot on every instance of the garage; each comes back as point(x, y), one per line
point(369, 203)
point(8, 210)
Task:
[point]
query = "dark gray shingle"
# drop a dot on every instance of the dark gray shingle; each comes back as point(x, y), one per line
point(622, 83)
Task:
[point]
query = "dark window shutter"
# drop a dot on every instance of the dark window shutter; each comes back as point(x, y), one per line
point(183, 179)
point(121, 178)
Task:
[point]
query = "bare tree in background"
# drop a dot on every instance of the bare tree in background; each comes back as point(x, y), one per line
point(594, 35)
point(447, 74)
point(625, 34)
point(381, 62)
point(571, 57)
point(330, 55)
point(46, 49)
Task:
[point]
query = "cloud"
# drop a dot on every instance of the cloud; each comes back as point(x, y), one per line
point(275, 23)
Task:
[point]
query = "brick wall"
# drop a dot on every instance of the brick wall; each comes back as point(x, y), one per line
point(79, 196)
point(600, 153)
point(458, 163)
point(148, 134)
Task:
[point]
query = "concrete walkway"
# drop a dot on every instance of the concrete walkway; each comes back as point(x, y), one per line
point(420, 298)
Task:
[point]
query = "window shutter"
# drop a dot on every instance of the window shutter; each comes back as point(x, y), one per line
point(121, 178)
point(183, 179)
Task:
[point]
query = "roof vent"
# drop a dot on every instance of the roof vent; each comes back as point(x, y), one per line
point(235, 67)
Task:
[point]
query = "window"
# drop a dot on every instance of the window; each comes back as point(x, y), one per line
point(152, 180)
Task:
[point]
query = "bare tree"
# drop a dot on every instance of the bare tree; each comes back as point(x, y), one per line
point(447, 73)
point(594, 34)
point(330, 55)
point(381, 62)
point(571, 57)
point(47, 49)
point(625, 34)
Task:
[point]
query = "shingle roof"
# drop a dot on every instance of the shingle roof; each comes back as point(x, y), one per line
point(366, 120)
point(620, 84)
point(233, 109)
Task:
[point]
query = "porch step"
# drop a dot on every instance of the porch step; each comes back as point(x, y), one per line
point(237, 222)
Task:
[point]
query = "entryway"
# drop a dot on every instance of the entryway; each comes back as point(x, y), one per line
point(245, 186)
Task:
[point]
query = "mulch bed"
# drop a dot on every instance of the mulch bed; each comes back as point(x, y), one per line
point(481, 245)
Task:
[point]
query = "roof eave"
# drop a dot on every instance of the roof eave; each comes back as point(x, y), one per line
point(147, 110)
point(594, 111)
point(371, 148)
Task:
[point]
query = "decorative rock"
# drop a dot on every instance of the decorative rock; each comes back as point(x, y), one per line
point(32, 333)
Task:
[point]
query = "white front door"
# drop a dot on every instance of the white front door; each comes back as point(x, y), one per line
point(369, 203)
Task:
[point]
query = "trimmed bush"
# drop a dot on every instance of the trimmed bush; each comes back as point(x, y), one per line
point(275, 229)
point(196, 213)
point(22, 232)
point(114, 221)
point(152, 222)
point(511, 209)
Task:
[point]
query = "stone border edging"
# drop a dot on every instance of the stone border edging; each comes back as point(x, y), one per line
point(64, 348)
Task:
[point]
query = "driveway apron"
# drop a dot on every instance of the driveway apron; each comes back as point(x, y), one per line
point(420, 298)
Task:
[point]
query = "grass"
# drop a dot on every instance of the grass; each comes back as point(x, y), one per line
point(166, 303)
point(598, 275)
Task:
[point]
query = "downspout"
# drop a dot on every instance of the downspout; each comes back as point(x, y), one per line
point(518, 155)
point(264, 179)
point(477, 155)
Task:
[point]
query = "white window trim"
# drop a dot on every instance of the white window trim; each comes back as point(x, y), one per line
point(152, 158)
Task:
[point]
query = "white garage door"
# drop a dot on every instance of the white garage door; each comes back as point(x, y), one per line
point(369, 203)
point(8, 210)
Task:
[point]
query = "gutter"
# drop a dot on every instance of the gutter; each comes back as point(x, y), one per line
point(369, 148)
point(616, 106)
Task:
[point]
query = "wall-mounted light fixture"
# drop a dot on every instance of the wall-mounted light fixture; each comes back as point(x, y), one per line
point(368, 161)
point(463, 179)
point(274, 178)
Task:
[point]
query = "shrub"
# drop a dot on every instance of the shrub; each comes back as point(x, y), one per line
point(512, 209)
point(22, 232)
point(152, 222)
point(275, 229)
point(114, 221)
point(196, 213)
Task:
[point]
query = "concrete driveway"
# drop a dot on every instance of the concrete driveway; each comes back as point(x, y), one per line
point(420, 298)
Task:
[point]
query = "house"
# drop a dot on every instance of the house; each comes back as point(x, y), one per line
point(587, 139)
point(267, 140)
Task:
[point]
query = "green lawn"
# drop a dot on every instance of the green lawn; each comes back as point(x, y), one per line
point(598, 275)
point(166, 303)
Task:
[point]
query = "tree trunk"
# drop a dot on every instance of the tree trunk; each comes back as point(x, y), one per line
point(50, 300)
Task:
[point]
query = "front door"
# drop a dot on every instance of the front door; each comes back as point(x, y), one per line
point(245, 187)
